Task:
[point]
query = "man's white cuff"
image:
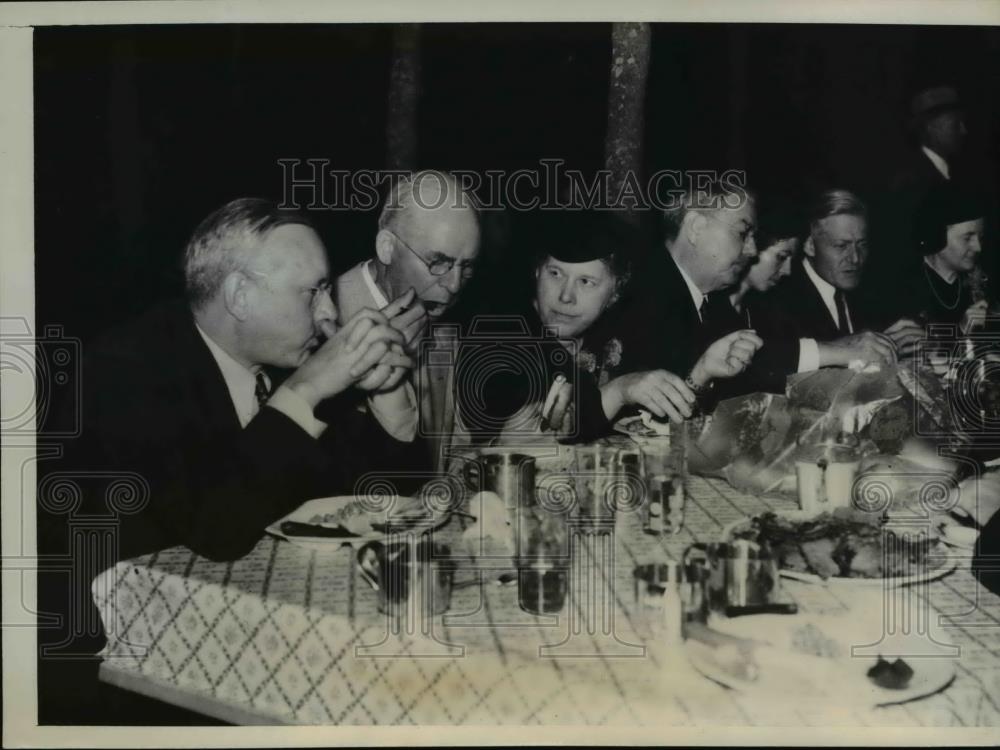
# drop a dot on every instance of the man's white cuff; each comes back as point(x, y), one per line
point(293, 406)
point(396, 412)
point(808, 355)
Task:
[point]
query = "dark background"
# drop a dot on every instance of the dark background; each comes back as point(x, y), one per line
point(141, 131)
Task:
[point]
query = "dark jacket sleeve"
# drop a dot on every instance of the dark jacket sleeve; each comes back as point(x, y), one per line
point(591, 423)
point(211, 489)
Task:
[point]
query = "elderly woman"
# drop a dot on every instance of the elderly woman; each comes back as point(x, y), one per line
point(555, 365)
point(947, 284)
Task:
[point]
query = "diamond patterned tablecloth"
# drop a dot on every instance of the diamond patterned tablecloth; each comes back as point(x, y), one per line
point(295, 635)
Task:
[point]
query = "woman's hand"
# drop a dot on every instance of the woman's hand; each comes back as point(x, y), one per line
point(658, 391)
point(975, 316)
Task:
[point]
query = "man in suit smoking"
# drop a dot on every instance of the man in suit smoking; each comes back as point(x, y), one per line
point(181, 397)
point(425, 252)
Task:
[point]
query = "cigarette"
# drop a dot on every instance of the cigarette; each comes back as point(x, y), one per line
point(550, 400)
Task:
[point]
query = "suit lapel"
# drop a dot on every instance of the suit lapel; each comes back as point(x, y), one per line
point(815, 314)
point(209, 390)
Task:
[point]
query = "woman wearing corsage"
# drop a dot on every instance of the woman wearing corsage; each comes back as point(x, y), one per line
point(557, 372)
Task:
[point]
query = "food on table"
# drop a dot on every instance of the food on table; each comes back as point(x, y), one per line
point(337, 518)
point(294, 528)
point(892, 425)
point(894, 676)
point(408, 508)
point(654, 427)
point(844, 543)
point(637, 427)
point(904, 488)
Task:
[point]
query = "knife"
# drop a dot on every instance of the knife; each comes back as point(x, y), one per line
point(295, 528)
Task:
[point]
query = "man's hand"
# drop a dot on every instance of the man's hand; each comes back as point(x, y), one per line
point(905, 334)
point(347, 356)
point(867, 346)
point(975, 316)
point(407, 315)
point(658, 391)
point(387, 374)
point(726, 357)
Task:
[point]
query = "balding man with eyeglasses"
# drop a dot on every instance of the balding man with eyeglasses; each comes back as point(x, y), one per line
point(425, 251)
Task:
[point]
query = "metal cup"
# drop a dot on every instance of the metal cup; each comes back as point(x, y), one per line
point(733, 576)
point(510, 475)
point(407, 575)
point(542, 586)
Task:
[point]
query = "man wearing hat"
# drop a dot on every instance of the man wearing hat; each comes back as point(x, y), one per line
point(936, 124)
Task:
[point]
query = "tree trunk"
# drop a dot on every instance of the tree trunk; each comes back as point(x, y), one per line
point(623, 150)
point(403, 97)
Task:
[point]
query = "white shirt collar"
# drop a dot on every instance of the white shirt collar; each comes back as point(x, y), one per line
point(939, 163)
point(826, 291)
point(696, 294)
point(240, 381)
point(373, 289)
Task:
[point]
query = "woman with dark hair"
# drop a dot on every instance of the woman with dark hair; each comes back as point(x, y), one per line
point(551, 359)
point(536, 362)
point(948, 285)
point(778, 237)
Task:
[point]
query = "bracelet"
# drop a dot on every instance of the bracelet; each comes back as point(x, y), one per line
point(697, 388)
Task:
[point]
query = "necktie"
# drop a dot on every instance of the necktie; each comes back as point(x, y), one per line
point(841, 303)
point(262, 388)
point(703, 309)
point(713, 311)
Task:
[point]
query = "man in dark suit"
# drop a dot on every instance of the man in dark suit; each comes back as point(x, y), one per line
point(184, 439)
point(817, 305)
point(936, 126)
point(183, 398)
point(670, 323)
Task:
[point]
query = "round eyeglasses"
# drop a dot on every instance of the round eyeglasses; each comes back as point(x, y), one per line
point(442, 265)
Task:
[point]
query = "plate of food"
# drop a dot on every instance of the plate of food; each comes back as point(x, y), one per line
point(346, 519)
point(813, 658)
point(642, 425)
point(848, 547)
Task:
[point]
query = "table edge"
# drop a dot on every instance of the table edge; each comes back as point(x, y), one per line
point(201, 703)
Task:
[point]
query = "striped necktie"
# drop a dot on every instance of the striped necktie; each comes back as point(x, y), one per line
point(262, 388)
point(841, 302)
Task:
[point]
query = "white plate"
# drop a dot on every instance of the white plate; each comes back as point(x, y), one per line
point(958, 536)
point(832, 675)
point(360, 523)
point(946, 564)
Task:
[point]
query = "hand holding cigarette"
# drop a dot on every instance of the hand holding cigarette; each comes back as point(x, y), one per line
point(556, 404)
